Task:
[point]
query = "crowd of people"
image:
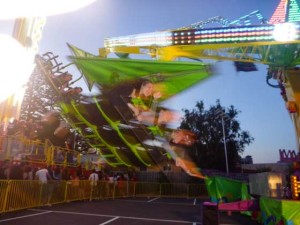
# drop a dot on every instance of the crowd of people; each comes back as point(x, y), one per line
point(12, 170)
point(102, 183)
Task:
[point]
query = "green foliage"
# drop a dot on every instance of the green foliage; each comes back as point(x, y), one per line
point(207, 125)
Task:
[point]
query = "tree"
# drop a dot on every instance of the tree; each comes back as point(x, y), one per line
point(207, 125)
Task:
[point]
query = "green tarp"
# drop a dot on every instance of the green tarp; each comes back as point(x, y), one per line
point(221, 189)
point(279, 211)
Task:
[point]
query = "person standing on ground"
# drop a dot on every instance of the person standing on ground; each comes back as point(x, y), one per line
point(43, 176)
point(94, 178)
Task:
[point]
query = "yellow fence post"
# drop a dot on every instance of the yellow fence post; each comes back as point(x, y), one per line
point(66, 191)
point(8, 186)
point(160, 188)
point(188, 191)
point(114, 189)
point(92, 191)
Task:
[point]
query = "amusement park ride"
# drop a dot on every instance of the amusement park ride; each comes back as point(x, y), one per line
point(122, 142)
point(275, 43)
point(119, 141)
point(247, 40)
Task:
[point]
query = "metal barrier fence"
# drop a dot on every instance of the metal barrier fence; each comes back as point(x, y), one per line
point(21, 194)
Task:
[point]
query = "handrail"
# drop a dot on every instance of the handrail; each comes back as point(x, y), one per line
point(19, 148)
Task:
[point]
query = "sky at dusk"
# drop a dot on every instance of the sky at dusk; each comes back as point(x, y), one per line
point(263, 111)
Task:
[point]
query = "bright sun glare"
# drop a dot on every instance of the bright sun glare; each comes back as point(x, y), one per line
point(28, 8)
point(17, 62)
point(16, 66)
